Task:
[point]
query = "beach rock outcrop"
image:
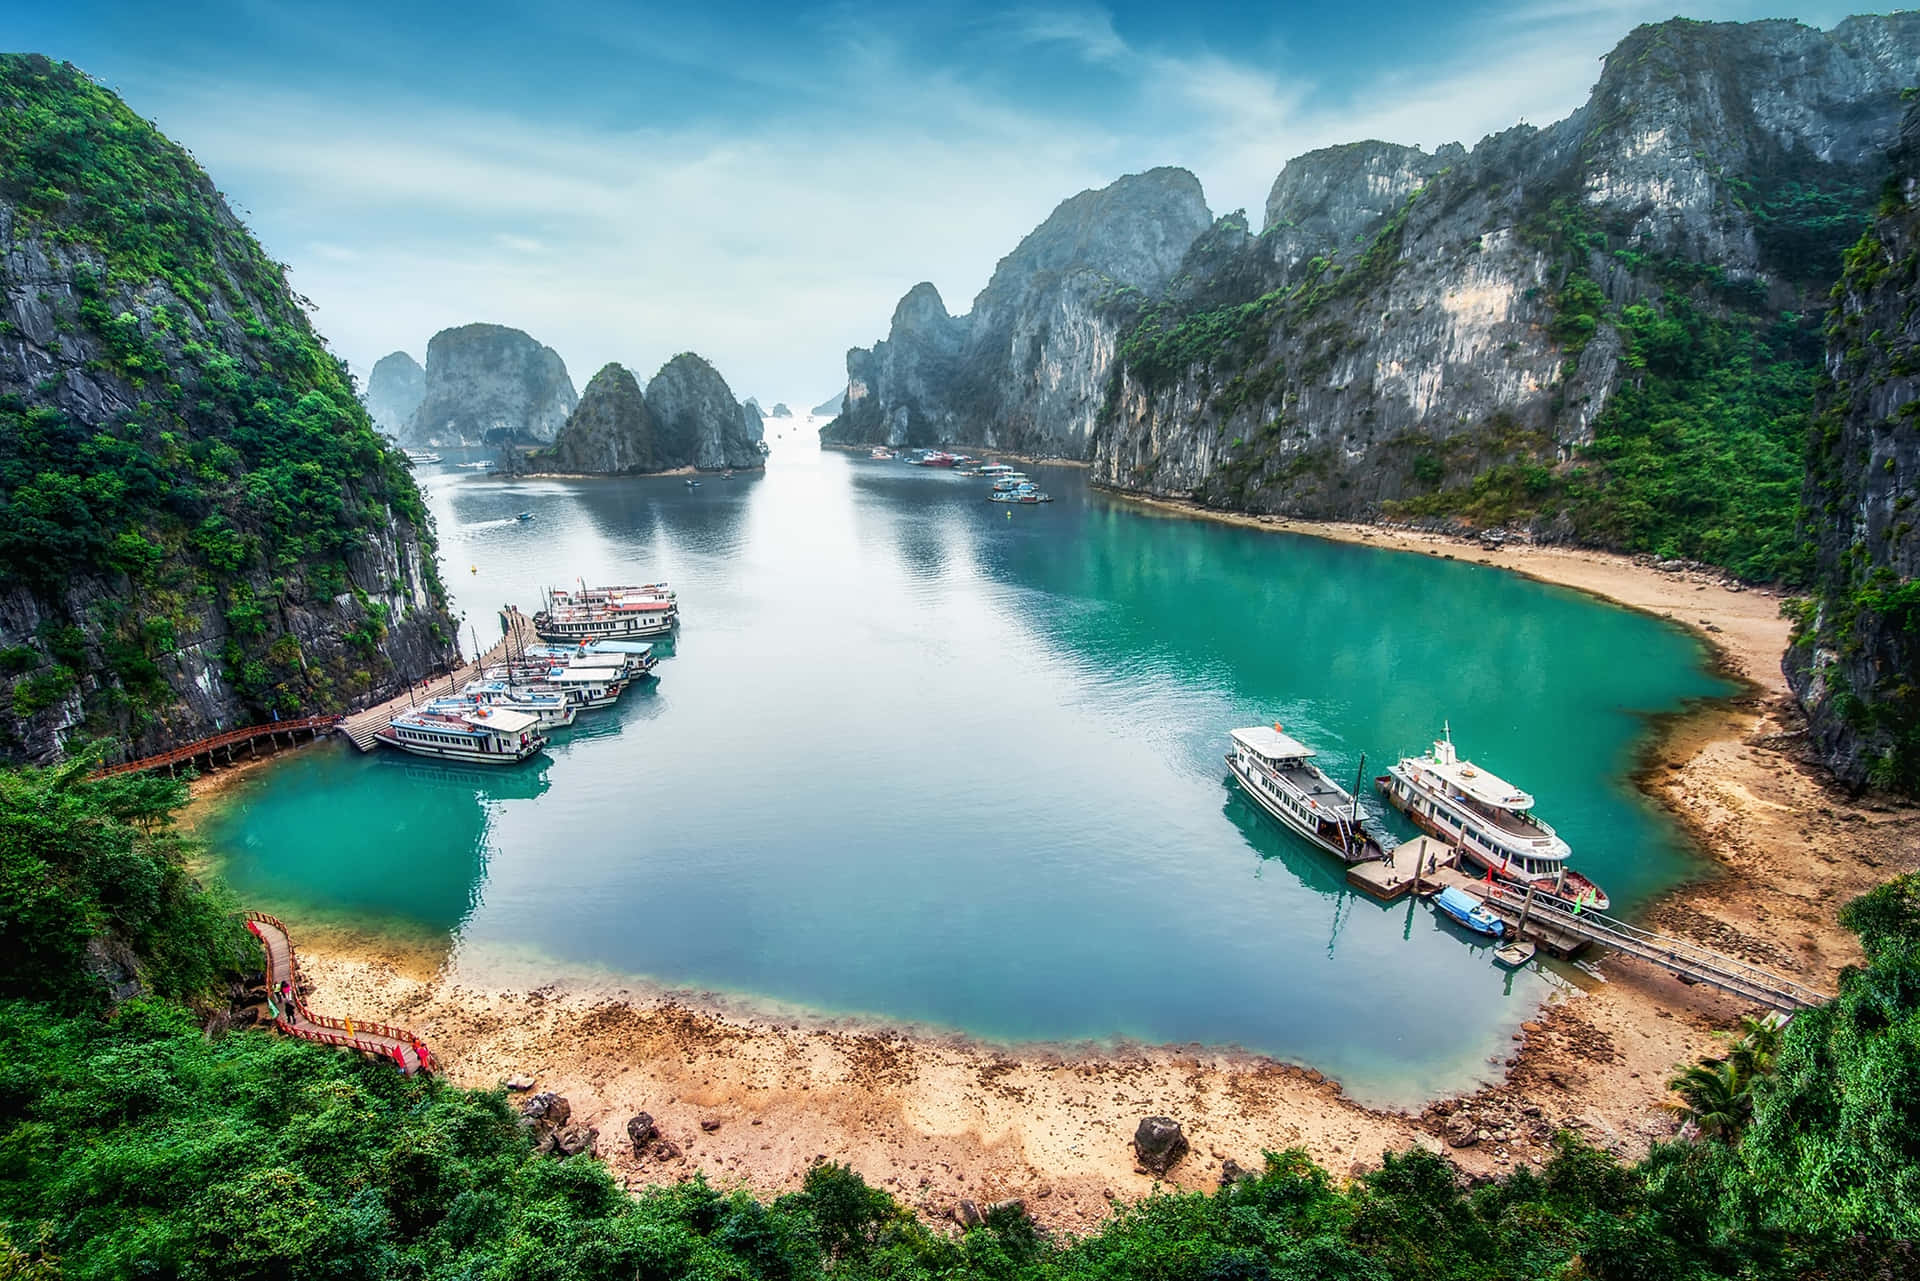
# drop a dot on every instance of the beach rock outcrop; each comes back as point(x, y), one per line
point(697, 421)
point(545, 1109)
point(611, 431)
point(490, 385)
point(641, 1130)
point(1026, 368)
point(395, 389)
point(1158, 1143)
point(1854, 660)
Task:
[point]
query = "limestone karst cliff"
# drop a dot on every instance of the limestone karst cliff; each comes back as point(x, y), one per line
point(1026, 367)
point(698, 422)
point(199, 527)
point(611, 430)
point(488, 384)
point(1855, 664)
point(395, 389)
point(1605, 329)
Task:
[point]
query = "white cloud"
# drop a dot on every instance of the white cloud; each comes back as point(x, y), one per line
point(772, 244)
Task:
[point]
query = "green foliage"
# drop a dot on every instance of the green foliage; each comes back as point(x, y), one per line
point(248, 453)
point(99, 862)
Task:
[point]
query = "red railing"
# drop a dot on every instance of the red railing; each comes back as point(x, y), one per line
point(232, 738)
point(298, 1020)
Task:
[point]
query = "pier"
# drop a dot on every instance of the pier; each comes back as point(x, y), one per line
point(247, 736)
point(397, 1045)
point(361, 726)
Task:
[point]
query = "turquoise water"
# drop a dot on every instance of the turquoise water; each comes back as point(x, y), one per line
point(917, 759)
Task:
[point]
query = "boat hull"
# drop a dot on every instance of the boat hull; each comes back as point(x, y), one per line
point(1287, 819)
point(441, 752)
point(610, 629)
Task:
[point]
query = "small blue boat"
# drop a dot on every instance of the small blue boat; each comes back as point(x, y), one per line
point(523, 517)
point(1469, 911)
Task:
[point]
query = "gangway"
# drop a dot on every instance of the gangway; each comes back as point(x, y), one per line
point(1688, 961)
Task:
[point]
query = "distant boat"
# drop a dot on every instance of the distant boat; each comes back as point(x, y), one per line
point(691, 483)
point(524, 516)
point(421, 457)
point(1026, 495)
point(880, 453)
point(1469, 911)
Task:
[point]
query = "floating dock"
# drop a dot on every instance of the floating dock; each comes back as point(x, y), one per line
point(1393, 877)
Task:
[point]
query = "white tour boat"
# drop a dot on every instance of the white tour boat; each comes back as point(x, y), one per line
point(1277, 770)
point(1489, 820)
point(606, 613)
point(479, 735)
point(551, 710)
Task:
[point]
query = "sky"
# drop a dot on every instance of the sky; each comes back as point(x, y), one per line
point(760, 183)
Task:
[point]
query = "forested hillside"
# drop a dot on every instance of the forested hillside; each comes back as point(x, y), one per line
point(198, 525)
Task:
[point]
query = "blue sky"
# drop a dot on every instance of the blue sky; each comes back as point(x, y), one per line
point(761, 182)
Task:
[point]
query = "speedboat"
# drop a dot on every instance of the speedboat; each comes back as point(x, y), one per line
point(524, 517)
point(1466, 910)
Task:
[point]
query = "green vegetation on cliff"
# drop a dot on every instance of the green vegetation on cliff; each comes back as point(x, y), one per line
point(205, 450)
point(133, 1143)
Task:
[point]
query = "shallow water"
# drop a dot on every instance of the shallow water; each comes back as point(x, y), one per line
point(918, 758)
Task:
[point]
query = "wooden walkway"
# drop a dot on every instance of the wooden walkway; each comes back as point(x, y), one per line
point(397, 1045)
point(1685, 960)
point(360, 727)
point(247, 736)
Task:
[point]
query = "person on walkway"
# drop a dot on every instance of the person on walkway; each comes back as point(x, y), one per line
point(349, 1023)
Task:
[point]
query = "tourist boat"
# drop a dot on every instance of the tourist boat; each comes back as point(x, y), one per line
point(1464, 909)
point(553, 708)
point(421, 457)
point(934, 458)
point(606, 613)
point(994, 469)
point(1026, 495)
point(880, 454)
point(478, 735)
point(1488, 819)
point(627, 665)
point(1011, 480)
point(586, 687)
point(1277, 770)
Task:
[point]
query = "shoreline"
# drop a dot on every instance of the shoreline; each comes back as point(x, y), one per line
point(935, 1117)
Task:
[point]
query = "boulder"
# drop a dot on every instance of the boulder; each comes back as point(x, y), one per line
point(710, 1124)
point(642, 1131)
point(968, 1215)
point(1232, 1172)
point(546, 1110)
point(1158, 1142)
point(665, 1149)
point(520, 1082)
point(572, 1140)
point(1460, 1132)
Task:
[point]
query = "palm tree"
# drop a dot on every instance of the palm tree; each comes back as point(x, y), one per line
point(1757, 1047)
point(1713, 1098)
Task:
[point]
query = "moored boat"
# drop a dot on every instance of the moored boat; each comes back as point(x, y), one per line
point(606, 613)
point(1488, 819)
point(880, 454)
point(479, 735)
point(586, 687)
point(421, 457)
point(1026, 495)
point(1466, 910)
point(1011, 480)
point(550, 709)
point(1277, 770)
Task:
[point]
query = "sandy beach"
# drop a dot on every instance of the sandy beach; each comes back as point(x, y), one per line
point(751, 1098)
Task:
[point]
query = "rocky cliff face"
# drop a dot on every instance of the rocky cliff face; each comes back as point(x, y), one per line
point(1856, 662)
point(488, 384)
point(698, 422)
point(611, 431)
point(1452, 330)
point(1027, 367)
point(395, 389)
point(200, 528)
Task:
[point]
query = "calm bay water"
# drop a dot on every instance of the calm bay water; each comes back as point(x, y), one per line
point(919, 760)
